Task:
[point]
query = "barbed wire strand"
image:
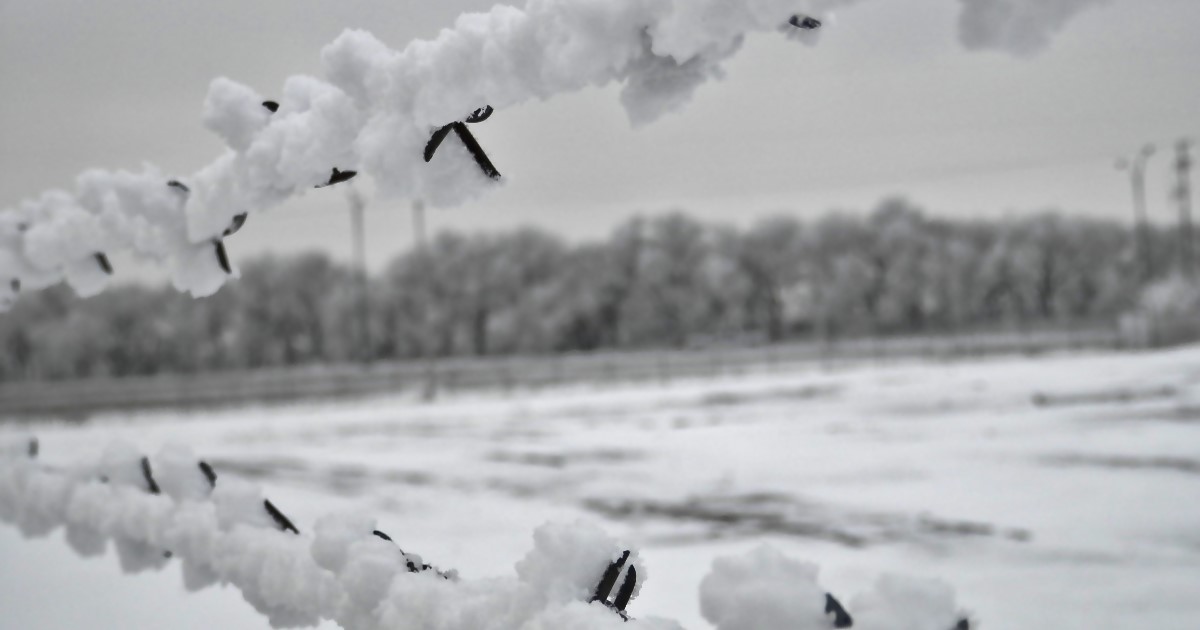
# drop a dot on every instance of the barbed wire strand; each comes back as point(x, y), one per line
point(837, 613)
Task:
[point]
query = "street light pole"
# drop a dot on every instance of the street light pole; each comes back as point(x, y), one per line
point(1137, 175)
point(1183, 195)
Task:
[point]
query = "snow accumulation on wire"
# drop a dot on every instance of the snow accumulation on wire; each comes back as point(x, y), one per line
point(387, 113)
point(172, 508)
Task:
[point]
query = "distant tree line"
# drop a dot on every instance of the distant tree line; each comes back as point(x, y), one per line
point(666, 280)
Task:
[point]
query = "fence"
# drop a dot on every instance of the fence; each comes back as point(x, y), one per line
point(78, 399)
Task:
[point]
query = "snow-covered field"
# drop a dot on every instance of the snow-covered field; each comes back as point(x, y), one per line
point(1059, 492)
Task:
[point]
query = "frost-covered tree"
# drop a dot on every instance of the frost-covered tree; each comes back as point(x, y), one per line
point(658, 281)
point(771, 258)
point(669, 301)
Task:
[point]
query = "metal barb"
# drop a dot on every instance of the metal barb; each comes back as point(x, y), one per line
point(480, 115)
point(481, 158)
point(337, 177)
point(152, 488)
point(178, 185)
point(805, 22)
point(208, 473)
point(105, 265)
point(222, 257)
point(236, 224)
point(841, 618)
point(412, 566)
point(609, 580)
point(33, 448)
point(626, 592)
point(468, 140)
point(151, 485)
point(282, 521)
point(271, 105)
point(963, 624)
point(435, 141)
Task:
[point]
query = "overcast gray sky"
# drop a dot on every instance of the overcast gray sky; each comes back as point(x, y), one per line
point(889, 103)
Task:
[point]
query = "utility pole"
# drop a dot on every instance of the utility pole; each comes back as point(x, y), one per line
point(1183, 196)
point(428, 344)
point(1137, 176)
point(358, 241)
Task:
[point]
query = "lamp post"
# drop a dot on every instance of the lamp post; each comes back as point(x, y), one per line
point(1137, 176)
point(1183, 196)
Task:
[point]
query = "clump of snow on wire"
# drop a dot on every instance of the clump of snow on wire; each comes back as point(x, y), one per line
point(341, 572)
point(375, 110)
point(765, 589)
point(903, 603)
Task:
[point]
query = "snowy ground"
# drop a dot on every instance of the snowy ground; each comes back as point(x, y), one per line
point(1061, 492)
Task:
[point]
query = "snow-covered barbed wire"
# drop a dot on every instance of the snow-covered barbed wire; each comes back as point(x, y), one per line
point(172, 506)
point(385, 112)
